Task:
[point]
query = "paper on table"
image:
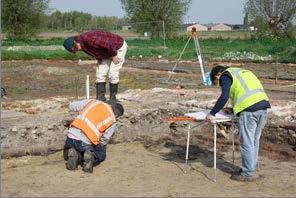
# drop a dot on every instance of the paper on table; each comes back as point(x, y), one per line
point(201, 115)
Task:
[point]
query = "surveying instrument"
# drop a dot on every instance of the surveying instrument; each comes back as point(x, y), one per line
point(205, 76)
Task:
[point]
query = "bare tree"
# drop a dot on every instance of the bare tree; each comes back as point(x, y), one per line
point(278, 14)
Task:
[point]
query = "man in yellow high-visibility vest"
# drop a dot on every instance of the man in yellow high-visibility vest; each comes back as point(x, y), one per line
point(249, 104)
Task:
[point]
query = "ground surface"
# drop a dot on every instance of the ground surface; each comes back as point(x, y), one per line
point(146, 157)
point(131, 170)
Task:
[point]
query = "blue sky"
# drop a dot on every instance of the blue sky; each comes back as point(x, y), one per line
point(202, 11)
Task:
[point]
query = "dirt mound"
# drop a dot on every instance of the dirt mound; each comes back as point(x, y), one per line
point(53, 104)
point(143, 120)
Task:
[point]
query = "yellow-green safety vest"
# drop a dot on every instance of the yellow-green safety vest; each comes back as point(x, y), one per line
point(246, 89)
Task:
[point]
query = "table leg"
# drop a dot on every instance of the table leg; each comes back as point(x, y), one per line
point(188, 138)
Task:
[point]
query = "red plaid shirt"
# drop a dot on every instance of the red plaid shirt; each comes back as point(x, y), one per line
point(99, 44)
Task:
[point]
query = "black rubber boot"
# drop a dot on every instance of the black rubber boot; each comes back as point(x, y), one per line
point(101, 90)
point(113, 91)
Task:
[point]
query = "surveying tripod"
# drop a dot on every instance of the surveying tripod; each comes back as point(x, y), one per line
point(199, 56)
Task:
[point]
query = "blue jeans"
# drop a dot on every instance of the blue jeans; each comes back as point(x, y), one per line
point(98, 151)
point(250, 128)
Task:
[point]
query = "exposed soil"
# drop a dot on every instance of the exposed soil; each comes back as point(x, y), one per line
point(46, 78)
point(132, 171)
point(146, 157)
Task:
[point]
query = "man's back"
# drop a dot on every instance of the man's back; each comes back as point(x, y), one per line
point(100, 44)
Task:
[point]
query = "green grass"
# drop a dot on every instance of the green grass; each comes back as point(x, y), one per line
point(284, 49)
point(48, 55)
point(33, 42)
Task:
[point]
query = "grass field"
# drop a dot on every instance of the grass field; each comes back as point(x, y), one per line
point(268, 50)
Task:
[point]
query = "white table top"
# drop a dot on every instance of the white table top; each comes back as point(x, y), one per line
point(201, 115)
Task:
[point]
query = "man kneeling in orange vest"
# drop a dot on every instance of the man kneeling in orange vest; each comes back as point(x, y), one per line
point(89, 133)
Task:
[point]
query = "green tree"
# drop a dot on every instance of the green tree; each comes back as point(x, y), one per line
point(22, 18)
point(246, 22)
point(169, 11)
point(106, 23)
point(79, 21)
point(278, 15)
point(55, 20)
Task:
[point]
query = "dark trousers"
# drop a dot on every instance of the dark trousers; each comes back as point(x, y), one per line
point(98, 151)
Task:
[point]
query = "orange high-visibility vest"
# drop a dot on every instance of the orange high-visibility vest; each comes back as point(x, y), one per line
point(94, 119)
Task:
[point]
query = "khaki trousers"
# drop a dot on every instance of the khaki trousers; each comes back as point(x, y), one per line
point(107, 67)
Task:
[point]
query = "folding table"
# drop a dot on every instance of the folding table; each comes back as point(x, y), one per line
point(200, 117)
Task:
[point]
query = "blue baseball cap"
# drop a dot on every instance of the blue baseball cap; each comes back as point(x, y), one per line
point(69, 44)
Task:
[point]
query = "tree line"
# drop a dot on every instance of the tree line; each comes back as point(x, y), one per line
point(22, 19)
point(78, 21)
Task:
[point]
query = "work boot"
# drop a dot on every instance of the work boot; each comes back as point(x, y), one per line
point(88, 162)
point(101, 90)
point(237, 172)
point(244, 178)
point(72, 161)
point(113, 91)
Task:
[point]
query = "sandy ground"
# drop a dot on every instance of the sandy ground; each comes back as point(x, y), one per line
point(131, 170)
point(145, 159)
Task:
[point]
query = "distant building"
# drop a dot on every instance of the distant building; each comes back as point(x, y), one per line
point(221, 27)
point(126, 27)
point(198, 27)
point(184, 26)
point(239, 27)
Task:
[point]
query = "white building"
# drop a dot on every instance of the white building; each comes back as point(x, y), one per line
point(221, 27)
point(198, 27)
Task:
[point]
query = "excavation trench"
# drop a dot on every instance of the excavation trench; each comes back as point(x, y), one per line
point(44, 132)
